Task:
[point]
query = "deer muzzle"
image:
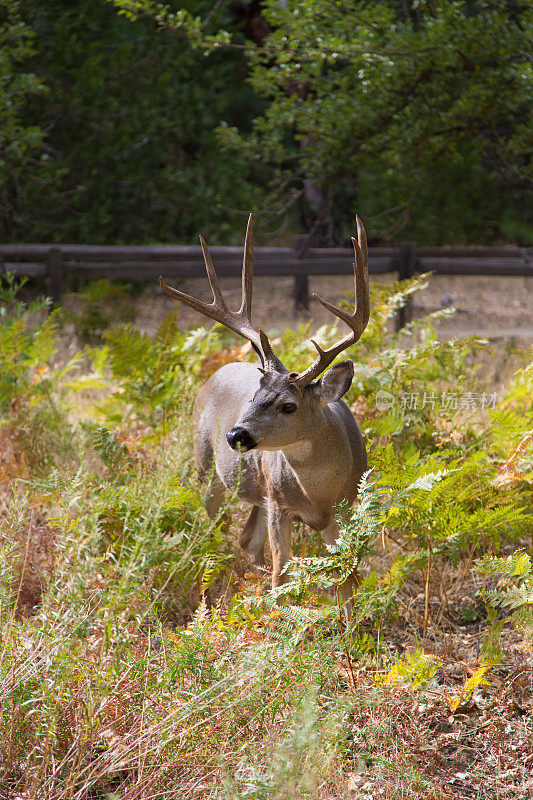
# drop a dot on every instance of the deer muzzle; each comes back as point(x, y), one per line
point(240, 439)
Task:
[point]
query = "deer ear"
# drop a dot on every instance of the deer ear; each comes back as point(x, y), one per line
point(335, 382)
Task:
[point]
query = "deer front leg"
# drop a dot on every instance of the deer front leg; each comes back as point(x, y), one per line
point(279, 534)
point(253, 536)
point(330, 535)
point(214, 497)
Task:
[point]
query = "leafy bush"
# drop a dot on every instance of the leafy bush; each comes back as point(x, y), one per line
point(149, 377)
point(103, 304)
point(515, 592)
point(31, 378)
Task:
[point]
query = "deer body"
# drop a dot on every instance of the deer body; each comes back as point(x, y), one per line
point(286, 476)
point(286, 442)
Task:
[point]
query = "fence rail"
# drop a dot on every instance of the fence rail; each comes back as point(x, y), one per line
point(57, 263)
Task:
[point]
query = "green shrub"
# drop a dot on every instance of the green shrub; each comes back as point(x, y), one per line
point(32, 377)
point(103, 304)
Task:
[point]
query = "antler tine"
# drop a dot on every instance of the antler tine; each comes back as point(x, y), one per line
point(361, 237)
point(248, 270)
point(237, 321)
point(215, 310)
point(207, 309)
point(211, 274)
point(270, 362)
point(357, 320)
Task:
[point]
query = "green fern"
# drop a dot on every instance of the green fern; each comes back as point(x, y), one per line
point(109, 449)
point(515, 570)
point(359, 527)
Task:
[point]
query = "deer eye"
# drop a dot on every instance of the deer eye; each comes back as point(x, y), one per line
point(288, 408)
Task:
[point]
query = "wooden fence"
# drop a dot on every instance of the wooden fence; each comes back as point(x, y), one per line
point(58, 263)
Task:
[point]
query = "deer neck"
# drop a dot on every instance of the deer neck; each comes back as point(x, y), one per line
point(299, 453)
point(305, 452)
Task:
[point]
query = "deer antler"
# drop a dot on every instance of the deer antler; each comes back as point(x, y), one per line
point(357, 321)
point(237, 321)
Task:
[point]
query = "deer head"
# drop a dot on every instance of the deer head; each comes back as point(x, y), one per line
point(283, 407)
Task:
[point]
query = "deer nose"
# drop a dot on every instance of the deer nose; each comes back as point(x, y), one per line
point(240, 437)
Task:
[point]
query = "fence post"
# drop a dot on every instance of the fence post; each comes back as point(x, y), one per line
point(406, 269)
point(301, 279)
point(55, 274)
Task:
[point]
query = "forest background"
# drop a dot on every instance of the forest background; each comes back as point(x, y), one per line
point(135, 122)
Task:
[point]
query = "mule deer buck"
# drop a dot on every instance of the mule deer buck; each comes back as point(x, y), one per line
point(286, 441)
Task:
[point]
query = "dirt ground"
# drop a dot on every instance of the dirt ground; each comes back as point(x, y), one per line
point(495, 308)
